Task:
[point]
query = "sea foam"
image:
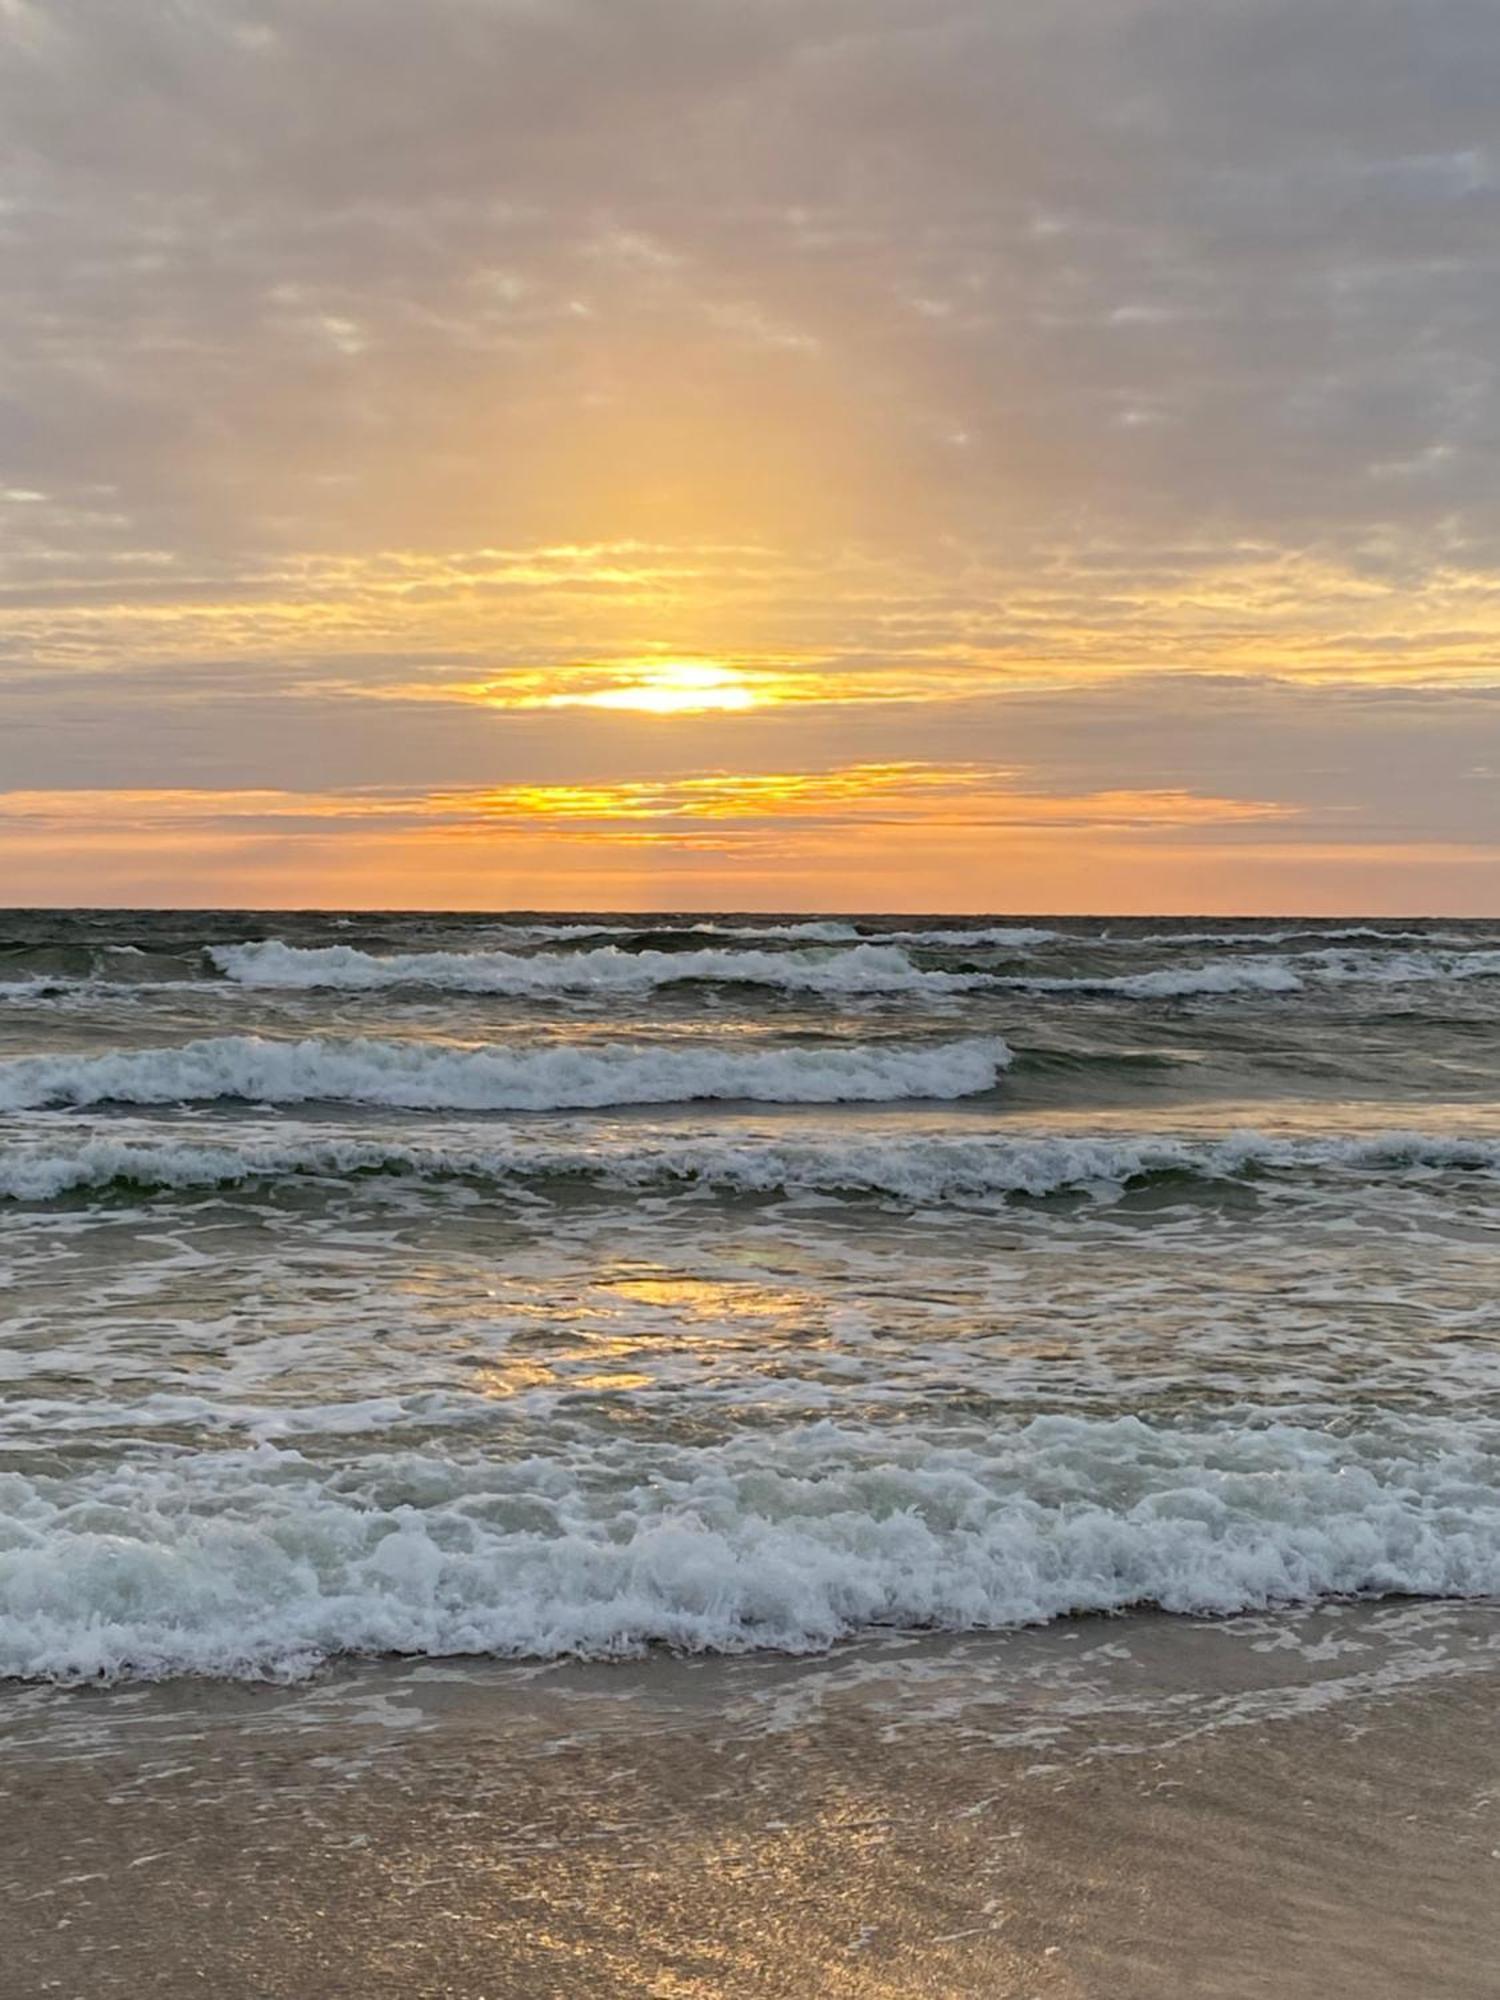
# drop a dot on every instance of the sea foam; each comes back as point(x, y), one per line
point(1273, 974)
point(856, 969)
point(919, 1171)
point(427, 1076)
point(833, 931)
point(264, 1561)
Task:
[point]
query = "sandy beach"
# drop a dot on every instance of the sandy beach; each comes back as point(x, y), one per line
point(1303, 1804)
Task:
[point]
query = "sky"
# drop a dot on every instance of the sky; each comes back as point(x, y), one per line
point(993, 455)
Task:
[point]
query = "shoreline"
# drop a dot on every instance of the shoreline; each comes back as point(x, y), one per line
point(1301, 1802)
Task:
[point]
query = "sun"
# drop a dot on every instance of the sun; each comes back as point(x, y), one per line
point(673, 687)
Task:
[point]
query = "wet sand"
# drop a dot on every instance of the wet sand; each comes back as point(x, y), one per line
point(1296, 1805)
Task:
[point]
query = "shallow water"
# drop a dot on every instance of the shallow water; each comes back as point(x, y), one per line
point(1272, 1804)
point(534, 1286)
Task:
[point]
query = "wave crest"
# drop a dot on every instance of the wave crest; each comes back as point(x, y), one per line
point(424, 1077)
point(863, 968)
point(920, 1171)
point(251, 1562)
point(1274, 973)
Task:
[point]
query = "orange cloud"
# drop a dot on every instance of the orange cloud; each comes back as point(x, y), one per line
point(920, 794)
point(614, 624)
point(909, 833)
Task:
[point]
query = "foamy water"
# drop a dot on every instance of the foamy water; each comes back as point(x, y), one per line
point(531, 1287)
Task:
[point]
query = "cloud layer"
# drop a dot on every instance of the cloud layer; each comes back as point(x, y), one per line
point(1104, 391)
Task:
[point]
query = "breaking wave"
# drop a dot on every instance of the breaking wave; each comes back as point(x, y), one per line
point(863, 968)
point(425, 1077)
point(1311, 934)
point(260, 1561)
point(1273, 974)
point(833, 960)
point(822, 931)
point(929, 1171)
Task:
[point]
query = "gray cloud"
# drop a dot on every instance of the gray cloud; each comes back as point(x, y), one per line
point(1351, 766)
point(972, 336)
point(337, 271)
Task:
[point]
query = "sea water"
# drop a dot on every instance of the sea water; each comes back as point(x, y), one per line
point(536, 1286)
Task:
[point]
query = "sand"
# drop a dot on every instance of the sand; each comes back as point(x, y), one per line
point(1305, 1804)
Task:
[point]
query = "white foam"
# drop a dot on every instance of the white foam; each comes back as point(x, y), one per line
point(264, 1560)
point(818, 931)
point(831, 931)
point(923, 1171)
point(1277, 973)
point(422, 1076)
point(864, 968)
point(1241, 976)
point(831, 967)
point(852, 970)
point(1019, 937)
point(1316, 936)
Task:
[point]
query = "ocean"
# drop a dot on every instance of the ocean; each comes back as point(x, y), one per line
point(538, 1287)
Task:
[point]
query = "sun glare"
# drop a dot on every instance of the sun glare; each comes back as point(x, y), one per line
point(672, 687)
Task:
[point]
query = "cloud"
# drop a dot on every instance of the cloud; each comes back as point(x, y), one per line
point(850, 796)
point(749, 834)
point(376, 374)
point(301, 273)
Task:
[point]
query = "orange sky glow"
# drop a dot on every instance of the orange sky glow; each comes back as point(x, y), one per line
point(909, 458)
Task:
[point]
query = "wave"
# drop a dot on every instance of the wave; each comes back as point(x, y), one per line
point(832, 960)
point(864, 968)
point(984, 937)
point(1199, 981)
point(850, 971)
point(815, 931)
point(1273, 974)
point(40, 974)
point(1343, 934)
point(819, 931)
point(262, 1561)
point(921, 1172)
point(421, 1076)
point(1019, 937)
